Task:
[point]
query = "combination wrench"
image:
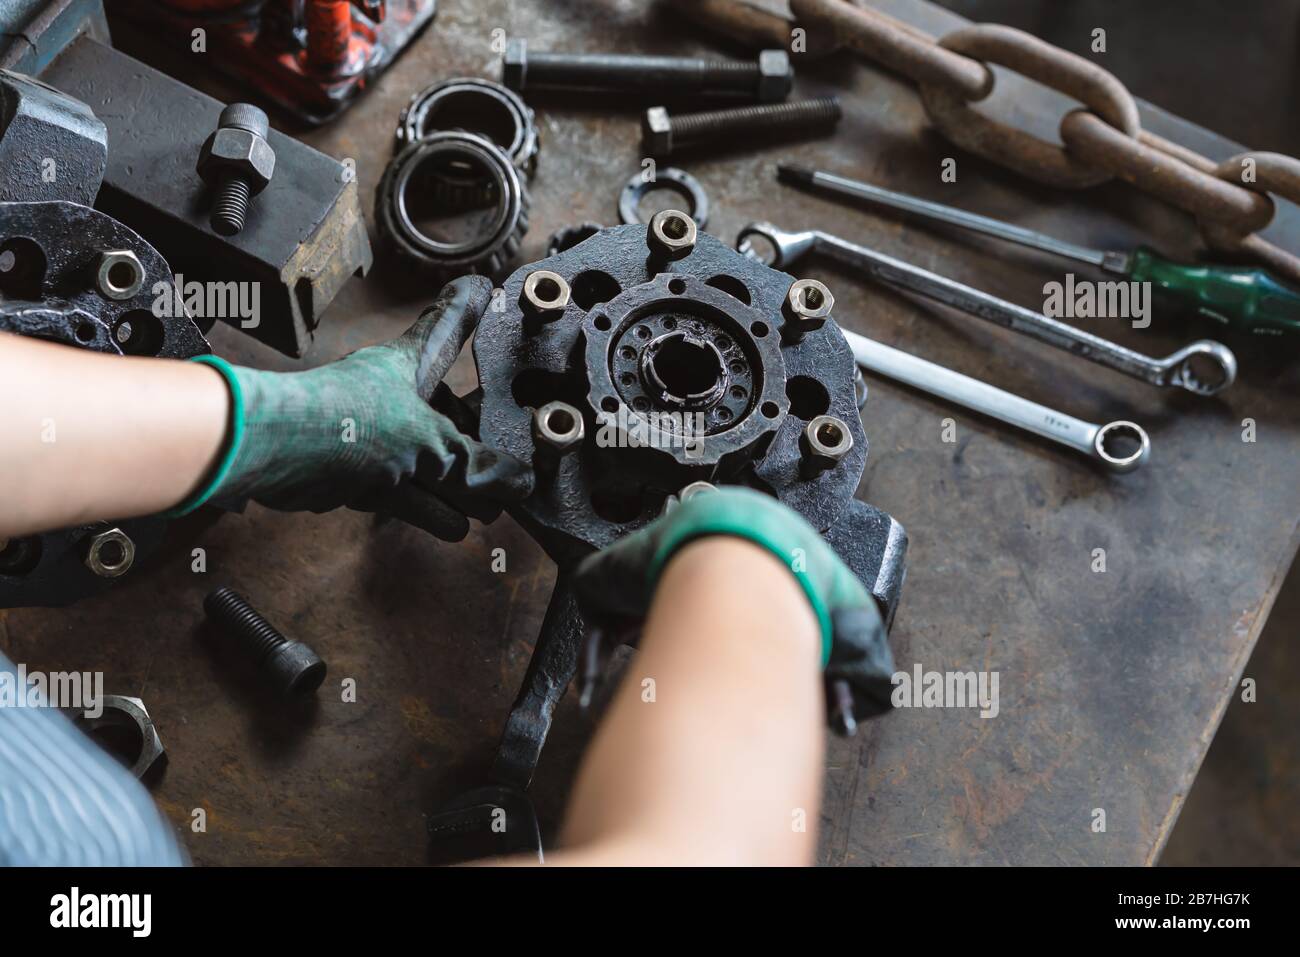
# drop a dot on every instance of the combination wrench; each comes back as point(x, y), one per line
point(1178, 369)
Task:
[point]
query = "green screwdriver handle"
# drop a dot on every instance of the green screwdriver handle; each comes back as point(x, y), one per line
point(1245, 297)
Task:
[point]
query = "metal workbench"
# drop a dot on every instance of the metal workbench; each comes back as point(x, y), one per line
point(1112, 684)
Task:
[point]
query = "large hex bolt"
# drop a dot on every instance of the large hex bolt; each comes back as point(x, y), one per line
point(825, 441)
point(292, 667)
point(110, 554)
point(544, 296)
point(238, 161)
point(671, 235)
point(769, 78)
point(806, 308)
point(558, 430)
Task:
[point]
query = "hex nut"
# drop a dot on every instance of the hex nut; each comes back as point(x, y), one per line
point(775, 78)
point(825, 441)
point(656, 132)
point(559, 427)
point(120, 711)
point(119, 275)
point(671, 234)
point(237, 152)
point(544, 295)
point(110, 553)
point(514, 66)
point(807, 306)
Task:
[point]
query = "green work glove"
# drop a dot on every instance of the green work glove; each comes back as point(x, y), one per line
point(360, 432)
point(614, 587)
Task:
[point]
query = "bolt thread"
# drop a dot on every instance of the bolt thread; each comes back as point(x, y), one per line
point(616, 72)
point(240, 621)
point(767, 117)
point(231, 207)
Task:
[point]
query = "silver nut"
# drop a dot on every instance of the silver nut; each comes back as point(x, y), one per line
point(807, 306)
point(559, 427)
point(110, 554)
point(120, 711)
point(656, 132)
point(825, 441)
point(775, 78)
point(545, 295)
point(119, 275)
point(671, 234)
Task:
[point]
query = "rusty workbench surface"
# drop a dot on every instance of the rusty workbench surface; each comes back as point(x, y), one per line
point(1111, 684)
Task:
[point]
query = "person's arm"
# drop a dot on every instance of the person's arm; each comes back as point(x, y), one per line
point(85, 436)
point(722, 762)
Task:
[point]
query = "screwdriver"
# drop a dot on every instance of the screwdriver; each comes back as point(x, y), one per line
point(1247, 298)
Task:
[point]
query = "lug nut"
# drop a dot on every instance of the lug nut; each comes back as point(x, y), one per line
point(119, 275)
point(292, 667)
point(670, 235)
point(825, 441)
point(558, 429)
point(807, 306)
point(110, 553)
point(544, 296)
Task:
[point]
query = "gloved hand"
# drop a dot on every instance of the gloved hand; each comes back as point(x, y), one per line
point(614, 587)
point(360, 432)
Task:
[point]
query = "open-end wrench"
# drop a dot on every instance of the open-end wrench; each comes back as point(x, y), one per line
point(1178, 369)
point(1096, 441)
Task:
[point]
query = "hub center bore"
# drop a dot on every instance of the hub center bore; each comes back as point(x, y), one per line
point(684, 371)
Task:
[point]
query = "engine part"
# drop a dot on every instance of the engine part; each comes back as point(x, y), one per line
point(291, 666)
point(312, 57)
point(670, 178)
point(71, 274)
point(51, 145)
point(126, 731)
point(296, 260)
point(237, 162)
point(495, 240)
point(566, 237)
point(1204, 367)
point(665, 369)
point(663, 134)
point(474, 105)
point(769, 78)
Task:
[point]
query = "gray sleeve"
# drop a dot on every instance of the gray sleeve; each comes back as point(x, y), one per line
point(65, 802)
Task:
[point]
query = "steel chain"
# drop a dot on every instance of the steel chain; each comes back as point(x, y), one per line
point(1105, 140)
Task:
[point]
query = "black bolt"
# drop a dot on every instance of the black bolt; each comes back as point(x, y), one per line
point(238, 166)
point(767, 79)
point(662, 134)
point(292, 666)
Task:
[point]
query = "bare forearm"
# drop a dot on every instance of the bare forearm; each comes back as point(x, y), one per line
point(85, 437)
point(711, 751)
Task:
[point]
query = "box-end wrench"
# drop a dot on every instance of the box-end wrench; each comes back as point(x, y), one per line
point(1179, 369)
point(1101, 442)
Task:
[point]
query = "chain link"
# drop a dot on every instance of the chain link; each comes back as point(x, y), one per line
point(1229, 200)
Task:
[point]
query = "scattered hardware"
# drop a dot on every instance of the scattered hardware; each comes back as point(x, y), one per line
point(1121, 446)
point(492, 243)
point(566, 237)
point(48, 292)
point(767, 79)
point(665, 332)
point(126, 731)
point(237, 162)
point(1203, 367)
point(291, 666)
point(663, 134)
point(670, 178)
point(299, 258)
point(474, 105)
point(1249, 299)
point(312, 58)
point(40, 126)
